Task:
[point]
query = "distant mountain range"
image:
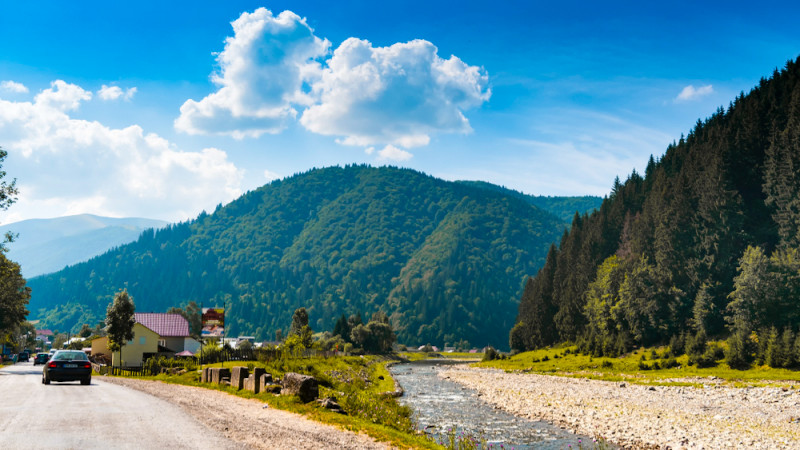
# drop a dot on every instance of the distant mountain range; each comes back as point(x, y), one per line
point(446, 260)
point(47, 245)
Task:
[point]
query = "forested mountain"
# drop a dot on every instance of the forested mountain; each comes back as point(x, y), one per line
point(562, 207)
point(446, 261)
point(47, 245)
point(705, 242)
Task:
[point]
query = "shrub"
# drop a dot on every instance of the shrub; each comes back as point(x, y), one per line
point(490, 354)
point(669, 363)
point(607, 364)
point(677, 345)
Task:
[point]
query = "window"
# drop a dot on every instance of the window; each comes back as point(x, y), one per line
point(142, 340)
point(162, 342)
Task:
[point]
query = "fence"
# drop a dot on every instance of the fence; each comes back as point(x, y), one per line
point(221, 355)
point(259, 354)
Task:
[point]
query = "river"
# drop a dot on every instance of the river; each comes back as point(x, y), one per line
point(440, 405)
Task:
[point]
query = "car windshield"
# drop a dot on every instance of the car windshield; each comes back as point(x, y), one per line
point(70, 356)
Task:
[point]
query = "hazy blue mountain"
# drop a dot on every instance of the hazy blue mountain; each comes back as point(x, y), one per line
point(47, 245)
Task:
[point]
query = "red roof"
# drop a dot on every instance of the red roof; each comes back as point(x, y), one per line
point(44, 333)
point(165, 325)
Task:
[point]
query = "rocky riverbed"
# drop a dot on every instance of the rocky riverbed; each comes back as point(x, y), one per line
point(637, 416)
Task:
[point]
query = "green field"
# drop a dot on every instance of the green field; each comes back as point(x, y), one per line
point(639, 367)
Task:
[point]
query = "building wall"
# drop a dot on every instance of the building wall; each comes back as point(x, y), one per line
point(144, 341)
point(173, 343)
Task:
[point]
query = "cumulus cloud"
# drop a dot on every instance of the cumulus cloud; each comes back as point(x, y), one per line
point(270, 175)
point(77, 166)
point(392, 153)
point(692, 93)
point(262, 72)
point(62, 96)
point(13, 86)
point(115, 92)
point(398, 95)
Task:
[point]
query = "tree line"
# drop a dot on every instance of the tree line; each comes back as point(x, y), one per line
point(704, 243)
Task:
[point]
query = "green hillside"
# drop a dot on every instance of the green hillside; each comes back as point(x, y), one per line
point(704, 244)
point(446, 261)
point(562, 207)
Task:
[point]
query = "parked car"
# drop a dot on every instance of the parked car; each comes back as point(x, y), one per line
point(68, 365)
point(23, 356)
point(41, 358)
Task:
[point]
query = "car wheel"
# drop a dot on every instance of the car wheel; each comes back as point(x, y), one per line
point(45, 379)
point(87, 380)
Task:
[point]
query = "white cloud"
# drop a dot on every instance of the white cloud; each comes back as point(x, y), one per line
point(399, 95)
point(392, 153)
point(65, 165)
point(13, 86)
point(692, 93)
point(262, 72)
point(62, 96)
point(271, 176)
point(115, 92)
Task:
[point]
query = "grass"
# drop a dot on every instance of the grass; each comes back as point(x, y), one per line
point(358, 383)
point(564, 361)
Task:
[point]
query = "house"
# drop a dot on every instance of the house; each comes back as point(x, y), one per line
point(44, 336)
point(153, 334)
point(144, 343)
point(173, 330)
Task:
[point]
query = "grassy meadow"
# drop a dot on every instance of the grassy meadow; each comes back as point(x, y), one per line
point(643, 366)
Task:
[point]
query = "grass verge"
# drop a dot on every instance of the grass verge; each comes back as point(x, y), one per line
point(358, 383)
point(643, 366)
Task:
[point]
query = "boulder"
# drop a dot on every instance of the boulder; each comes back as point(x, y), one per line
point(272, 388)
point(304, 386)
point(330, 403)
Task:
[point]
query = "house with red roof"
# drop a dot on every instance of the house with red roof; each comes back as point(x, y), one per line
point(155, 334)
point(173, 331)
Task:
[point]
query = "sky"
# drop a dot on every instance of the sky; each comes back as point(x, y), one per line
point(165, 109)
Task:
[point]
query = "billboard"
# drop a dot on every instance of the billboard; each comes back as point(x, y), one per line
point(213, 322)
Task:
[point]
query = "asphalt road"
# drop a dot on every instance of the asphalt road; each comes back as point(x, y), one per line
point(101, 415)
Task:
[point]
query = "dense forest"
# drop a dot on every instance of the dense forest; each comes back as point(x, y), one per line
point(446, 261)
point(562, 207)
point(704, 243)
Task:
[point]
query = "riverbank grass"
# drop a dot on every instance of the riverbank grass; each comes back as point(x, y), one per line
point(643, 366)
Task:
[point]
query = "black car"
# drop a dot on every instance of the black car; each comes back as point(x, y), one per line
point(41, 358)
point(23, 356)
point(68, 365)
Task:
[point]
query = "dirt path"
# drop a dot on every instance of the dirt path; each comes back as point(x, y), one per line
point(250, 422)
point(637, 416)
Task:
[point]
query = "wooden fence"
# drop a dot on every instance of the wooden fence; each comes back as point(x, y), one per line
point(222, 355)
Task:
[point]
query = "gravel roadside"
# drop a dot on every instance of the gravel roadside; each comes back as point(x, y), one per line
point(638, 416)
point(248, 422)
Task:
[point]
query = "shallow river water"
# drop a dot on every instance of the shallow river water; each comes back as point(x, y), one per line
point(440, 405)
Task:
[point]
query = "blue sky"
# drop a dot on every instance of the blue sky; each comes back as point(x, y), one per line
point(163, 109)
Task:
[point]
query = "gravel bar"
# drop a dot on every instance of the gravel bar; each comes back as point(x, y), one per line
point(637, 416)
point(248, 422)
